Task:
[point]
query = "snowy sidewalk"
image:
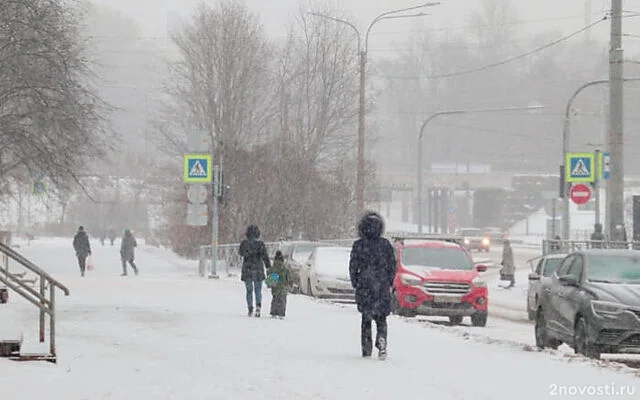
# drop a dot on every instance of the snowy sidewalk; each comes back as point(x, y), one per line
point(169, 335)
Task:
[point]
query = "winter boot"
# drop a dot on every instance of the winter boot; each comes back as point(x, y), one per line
point(367, 348)
point(250, 313)
point(382, 348)
point(257, 311)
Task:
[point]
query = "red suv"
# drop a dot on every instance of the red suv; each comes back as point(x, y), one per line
point(437, 277)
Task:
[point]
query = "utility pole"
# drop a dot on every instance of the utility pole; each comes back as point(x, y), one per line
point(596, 185)
point(360, 181)
point(615, 201)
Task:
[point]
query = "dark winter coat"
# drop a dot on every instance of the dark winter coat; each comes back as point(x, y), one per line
point(254, 252)
point(127, 247)
point(372, 267)
point(284, 278)
point(508, 261)
point(81, 244)
point(597, 237)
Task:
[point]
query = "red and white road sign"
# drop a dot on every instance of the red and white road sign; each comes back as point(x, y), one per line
point(580, 194)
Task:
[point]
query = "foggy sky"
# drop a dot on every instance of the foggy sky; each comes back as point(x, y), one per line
point(535, 16)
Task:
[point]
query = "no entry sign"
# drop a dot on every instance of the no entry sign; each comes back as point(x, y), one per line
point(580, 193)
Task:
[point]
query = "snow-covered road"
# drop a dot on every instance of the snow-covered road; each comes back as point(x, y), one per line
point(167, 334)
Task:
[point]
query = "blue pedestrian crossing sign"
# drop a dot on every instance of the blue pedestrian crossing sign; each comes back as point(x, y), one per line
point(579, 168)
point(197, 168)
point(605, 166)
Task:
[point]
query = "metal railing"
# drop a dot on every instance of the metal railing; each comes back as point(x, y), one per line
point(36, 297)
point(229, 256)
point(550, 246)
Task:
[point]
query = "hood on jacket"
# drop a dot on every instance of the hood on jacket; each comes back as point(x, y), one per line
point(253, 232)
point(371, 225)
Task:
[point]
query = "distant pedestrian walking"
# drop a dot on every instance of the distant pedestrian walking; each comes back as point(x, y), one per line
point(111, 233)
point(597, 237)
point(127, 252)
point(279, 280)
point(83, 248)
point(508, 271)
point(254, 252)
point(372, 269)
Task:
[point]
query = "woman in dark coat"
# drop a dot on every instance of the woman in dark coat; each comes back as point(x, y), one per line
point(254, 252)
point(127, 252)
point(82, 247)
point(372, 269)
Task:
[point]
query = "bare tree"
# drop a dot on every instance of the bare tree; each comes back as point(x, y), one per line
point(50, 117)
point(319, 86)
point(218, 84)
point(494, 27)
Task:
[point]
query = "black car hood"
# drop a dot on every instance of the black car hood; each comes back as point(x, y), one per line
point(616, 293)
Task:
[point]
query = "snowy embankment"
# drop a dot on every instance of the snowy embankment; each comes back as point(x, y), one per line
point(167, 334)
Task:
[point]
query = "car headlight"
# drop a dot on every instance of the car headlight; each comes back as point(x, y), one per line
point(485, 241)
point(466, 241)
point(607, 309)
point(478, 282)
point(410, 280)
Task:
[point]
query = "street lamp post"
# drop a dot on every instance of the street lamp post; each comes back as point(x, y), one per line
point(362, 53)
point(566, 130)
point(420, 172)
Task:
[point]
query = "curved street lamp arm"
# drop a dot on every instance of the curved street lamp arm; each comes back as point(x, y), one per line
point(567, 112)
point(351, 25)
point(386, 15)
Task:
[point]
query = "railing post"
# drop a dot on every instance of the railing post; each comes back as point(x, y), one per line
point(52, 320)
point(42, 306)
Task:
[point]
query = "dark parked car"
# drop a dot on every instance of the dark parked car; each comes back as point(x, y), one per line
point(474, 239)
point(495, 235)
point(592, 303)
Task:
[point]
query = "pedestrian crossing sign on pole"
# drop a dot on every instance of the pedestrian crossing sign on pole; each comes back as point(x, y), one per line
point(580, 168)
point(197, 168)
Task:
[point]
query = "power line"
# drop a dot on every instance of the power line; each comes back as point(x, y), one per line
point(511, 59)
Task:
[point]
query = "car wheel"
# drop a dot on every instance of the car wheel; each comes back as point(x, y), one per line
point(540, 330)
point(455, 319)
point(581, 344)
point(479, 319)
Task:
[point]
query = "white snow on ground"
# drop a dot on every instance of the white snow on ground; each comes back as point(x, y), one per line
point(167, 334)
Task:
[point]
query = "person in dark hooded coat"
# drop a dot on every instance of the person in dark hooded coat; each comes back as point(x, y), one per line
point(83, 248)
point(127, 252)
point(372, 269)
point(254, 252)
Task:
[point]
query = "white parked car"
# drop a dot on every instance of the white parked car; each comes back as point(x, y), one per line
point(544, 268)
point(326, 274)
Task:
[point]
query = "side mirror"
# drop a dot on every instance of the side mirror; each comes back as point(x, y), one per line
point(534, 277)
point(481, 268)
point(568, 280)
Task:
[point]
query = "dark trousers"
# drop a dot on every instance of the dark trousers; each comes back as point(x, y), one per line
point(124, 266)
point(381, 332)
point(278, 304)
point(82, 263)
